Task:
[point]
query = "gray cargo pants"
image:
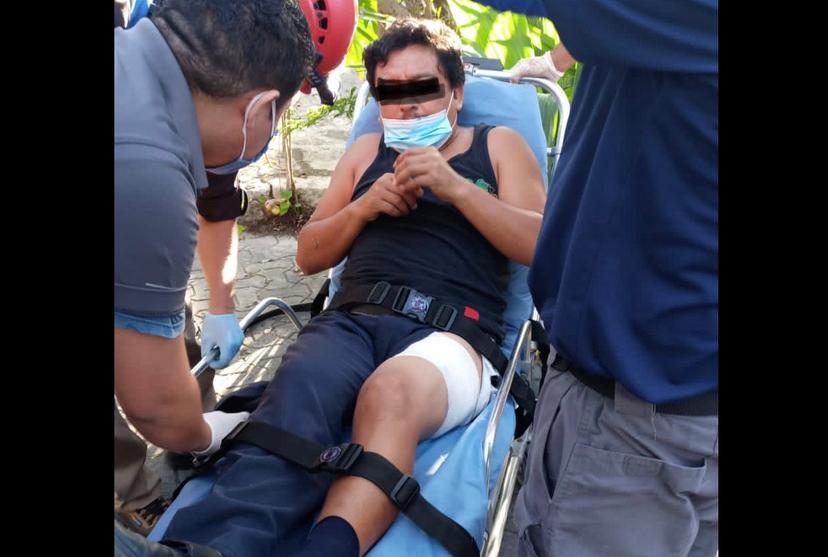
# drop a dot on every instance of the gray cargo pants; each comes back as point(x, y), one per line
point(613, 478)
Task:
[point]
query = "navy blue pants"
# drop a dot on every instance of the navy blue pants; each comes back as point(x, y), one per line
point(262, 505)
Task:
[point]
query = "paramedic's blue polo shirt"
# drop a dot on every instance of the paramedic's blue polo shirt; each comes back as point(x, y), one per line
point(625, 271)
point(159, 170)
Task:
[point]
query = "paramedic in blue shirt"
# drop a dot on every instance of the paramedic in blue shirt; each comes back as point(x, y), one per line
point(624, 460)
point(210, 78)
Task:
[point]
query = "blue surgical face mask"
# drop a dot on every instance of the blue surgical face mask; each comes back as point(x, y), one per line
point(241, 162)
point(427, 131)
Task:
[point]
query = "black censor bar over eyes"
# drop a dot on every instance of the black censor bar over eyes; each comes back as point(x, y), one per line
point(401, 92)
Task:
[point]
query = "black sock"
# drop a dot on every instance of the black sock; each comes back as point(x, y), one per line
point(331, 537)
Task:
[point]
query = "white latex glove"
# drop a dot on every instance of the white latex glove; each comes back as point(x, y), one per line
point(536, 66)
point(221, 424)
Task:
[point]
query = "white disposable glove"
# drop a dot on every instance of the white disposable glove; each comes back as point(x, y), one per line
point(221, 424)
point(536, 66)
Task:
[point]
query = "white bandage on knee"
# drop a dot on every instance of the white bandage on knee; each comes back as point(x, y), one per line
point(467, 394)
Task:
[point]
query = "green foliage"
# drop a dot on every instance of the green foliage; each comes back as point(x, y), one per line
point(485, 32)
point(367, 31)
point(343, 106)
point(507, 36)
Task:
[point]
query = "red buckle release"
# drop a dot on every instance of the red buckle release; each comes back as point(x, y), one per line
point(471, 313)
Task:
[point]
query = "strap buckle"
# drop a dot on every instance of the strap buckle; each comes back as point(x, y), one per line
point(378, 292)
point(405, 492)
point(411, 303)
point(338, 458)
point(444, 317)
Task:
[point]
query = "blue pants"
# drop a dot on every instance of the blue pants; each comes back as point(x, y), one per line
point(262, 505)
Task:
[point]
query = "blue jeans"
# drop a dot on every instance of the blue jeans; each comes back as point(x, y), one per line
point(167, 326)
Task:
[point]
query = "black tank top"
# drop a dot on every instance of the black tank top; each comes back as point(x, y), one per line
point(434, 249)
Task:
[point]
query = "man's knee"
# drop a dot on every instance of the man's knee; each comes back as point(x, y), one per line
point(387, 395)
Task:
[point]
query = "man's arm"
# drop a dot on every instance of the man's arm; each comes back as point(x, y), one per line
point(157, 392)
point(561, 58)
point(218, 244)
point(510, 222)
point(337, 220)
point(218, 205)
point(154, 250)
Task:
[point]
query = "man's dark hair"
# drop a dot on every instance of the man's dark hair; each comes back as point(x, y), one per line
point(427, 32)
point(226, 48)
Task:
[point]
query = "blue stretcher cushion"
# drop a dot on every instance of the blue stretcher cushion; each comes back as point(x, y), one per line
point(497, 103)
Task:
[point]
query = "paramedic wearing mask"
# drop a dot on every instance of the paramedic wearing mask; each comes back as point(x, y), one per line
point(428, 204)
point(625, 456)
point(197, 116)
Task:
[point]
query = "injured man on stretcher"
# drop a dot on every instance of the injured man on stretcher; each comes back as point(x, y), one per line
point(429, 214)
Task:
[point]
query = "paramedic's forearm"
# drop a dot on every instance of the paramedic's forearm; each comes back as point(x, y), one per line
point(157, 392)
point(323, 243)
point(513, 231)
point(218, 244)
point(169, 431)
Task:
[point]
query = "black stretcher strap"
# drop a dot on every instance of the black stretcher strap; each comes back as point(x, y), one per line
point(352, 459)
point(404, 492)
point(439, 314)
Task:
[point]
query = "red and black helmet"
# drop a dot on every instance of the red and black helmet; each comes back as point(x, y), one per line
point(332, 24)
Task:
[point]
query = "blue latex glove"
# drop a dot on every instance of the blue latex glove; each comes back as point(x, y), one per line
point(221, 330)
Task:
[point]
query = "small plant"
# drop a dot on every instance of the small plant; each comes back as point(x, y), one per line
point(343, 106)
point(279, 205)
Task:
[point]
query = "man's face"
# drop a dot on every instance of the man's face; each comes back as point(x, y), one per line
point(410, 73)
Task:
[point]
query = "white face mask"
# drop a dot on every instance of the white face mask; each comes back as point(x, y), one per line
point(241, 162)
point(428, 131)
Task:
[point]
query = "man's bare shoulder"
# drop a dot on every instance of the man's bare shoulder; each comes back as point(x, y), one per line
point(365, 146)
point(362, 153)
point(505, 140)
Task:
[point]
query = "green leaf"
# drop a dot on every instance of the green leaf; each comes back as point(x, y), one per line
point(286, 194)
point(241, 228)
